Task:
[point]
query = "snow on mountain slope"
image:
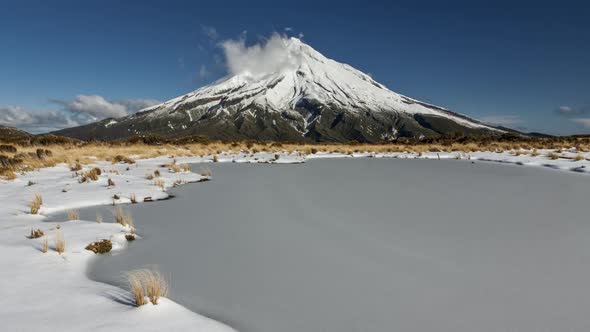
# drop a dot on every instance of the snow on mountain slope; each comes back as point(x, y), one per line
point(307, 96)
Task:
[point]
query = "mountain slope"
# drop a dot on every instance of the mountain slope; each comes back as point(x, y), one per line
point(309, 98)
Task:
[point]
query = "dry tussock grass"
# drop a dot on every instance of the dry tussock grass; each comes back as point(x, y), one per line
point(206, 171)
point(73, 215)
point(579, 157)
point(160, 184)
point(45, 245)
point(99, 219)
point(36, 203)
point(124, 219)
point(60, 242)
point(32, 157)
point(147, 283)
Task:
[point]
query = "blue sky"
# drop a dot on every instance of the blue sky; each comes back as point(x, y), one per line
point(524, 65)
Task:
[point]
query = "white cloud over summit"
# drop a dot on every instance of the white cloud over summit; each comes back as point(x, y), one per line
point(269, 56)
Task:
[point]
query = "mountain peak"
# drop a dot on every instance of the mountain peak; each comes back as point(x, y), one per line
point(286, 90)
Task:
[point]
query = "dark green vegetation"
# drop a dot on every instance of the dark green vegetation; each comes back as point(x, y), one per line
point(309, 123)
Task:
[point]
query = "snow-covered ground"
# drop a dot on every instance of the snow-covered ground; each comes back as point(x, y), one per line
point(49, 291)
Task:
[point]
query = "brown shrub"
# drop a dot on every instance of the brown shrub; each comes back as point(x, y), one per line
point(100, 247)
point(7, 148)
point(119, 158)
point(76, 167)
point(111, 183)
point(130, 237)
point(36, 233)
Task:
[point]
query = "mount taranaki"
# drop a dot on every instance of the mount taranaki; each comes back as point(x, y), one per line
point(313, 98)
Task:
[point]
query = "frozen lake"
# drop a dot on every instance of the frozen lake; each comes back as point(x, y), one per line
point(371, 245)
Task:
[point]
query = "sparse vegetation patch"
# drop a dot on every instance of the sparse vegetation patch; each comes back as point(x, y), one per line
point(100, 247)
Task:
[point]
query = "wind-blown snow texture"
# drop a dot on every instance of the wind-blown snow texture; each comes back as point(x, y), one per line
point(305, 97)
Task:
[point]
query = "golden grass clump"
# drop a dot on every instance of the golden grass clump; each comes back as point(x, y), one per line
point(553, 156)
point(134, 280)
point(7, 173)
point(147, 282)
point(160, 184)
point(73, 215)
point(76, 167)
point(36, 203)
point(120, 158)
point(185, 167)
point(133, 199)
point(579, 157)
point(206, 171)
point(36, 233)
point(215, 158)
point(60, 242)
point(124, 219)
point(45, 245)
point(174, 168)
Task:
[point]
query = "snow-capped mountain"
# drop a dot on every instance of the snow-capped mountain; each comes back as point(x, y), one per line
point(307, 98)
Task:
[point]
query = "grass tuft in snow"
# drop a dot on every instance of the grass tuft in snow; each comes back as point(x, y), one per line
point(120, 158)
point(579, 157)
point(36, 203)
point(553, 156)
point(36, 233)
point(147, 282)
point(99, 219)
point(45, 246)
point(124, 219)
point(134, 280)
point(133, 198)
point(111, 183)
point(160, 184)
point(60, 242)
point(76, 167)
point(206, 171)
point(73, 215)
